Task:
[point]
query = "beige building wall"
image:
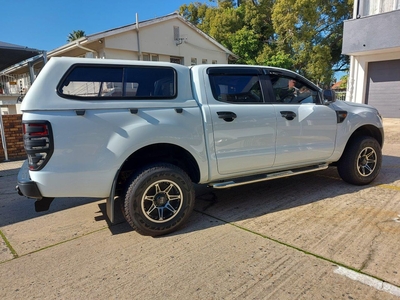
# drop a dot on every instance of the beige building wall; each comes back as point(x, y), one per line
point(119, 54)
point(158, 40)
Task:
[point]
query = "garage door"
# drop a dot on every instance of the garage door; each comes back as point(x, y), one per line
point(383, 87)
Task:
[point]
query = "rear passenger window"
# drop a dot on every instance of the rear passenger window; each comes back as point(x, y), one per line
point(121, 82)
point(236, 88)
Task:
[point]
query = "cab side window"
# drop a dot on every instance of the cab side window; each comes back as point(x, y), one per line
point(292, 91)
point(236, 88)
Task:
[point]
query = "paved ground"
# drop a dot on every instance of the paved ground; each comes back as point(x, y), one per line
point(306, 237)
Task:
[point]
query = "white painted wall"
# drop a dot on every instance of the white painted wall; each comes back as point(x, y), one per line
point(358, 71)
point(120, 54)
point(357, 81)
point(159, 39)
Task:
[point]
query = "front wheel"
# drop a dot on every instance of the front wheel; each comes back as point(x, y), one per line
point(361, 161)
point(159, 199)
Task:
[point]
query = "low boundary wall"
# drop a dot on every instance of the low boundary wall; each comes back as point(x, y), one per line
point(13, 135)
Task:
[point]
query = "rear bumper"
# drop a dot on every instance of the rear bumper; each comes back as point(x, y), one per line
point(25, 186)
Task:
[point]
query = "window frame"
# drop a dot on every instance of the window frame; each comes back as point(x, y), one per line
point(124, 82)
point(242, 71)
point(291, 76)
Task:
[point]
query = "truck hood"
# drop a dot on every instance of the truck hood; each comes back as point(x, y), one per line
point(352, 106)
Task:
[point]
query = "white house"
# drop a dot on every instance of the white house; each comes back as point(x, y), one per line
point(372, 39)
point(169, 38)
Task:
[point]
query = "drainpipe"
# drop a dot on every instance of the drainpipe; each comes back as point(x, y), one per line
point(359, 10)
point(3, 137)
point(138, 40)
point(44, 57)
point(31, 72)
point(32, 63)
point(351, 80)
point(87, 49)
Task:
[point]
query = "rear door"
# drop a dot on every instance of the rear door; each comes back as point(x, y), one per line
point(306, 129)
point(244, 125)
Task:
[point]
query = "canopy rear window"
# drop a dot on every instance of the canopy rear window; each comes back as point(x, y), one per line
point(88, 82)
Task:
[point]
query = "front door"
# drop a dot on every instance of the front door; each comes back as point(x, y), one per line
point(306, 129)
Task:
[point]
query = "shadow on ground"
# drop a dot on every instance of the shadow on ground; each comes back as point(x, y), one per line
point(228, 205)
point(255, 200)
point(15, 208)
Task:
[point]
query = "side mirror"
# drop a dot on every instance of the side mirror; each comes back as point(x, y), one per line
point(329, 96)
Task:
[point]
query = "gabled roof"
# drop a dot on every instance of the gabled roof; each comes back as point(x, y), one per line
point(11, 54)
point(337, 85)
point(122, 29)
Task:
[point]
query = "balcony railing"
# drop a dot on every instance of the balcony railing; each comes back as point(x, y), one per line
point(14, 84)
point(373, 7)
point(340, 95)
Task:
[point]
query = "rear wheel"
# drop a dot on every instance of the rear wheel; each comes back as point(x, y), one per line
point(361, 161)
point(159, 199)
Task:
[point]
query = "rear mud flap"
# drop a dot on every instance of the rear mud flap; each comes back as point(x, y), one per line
point(110, 204)
point(43, 204)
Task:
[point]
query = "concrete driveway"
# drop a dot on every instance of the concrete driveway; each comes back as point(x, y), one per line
point(307, 237)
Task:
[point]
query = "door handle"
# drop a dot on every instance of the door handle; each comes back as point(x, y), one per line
point(228, 116)
point(288, 115)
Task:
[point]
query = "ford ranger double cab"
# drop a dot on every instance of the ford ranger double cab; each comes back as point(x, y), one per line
point(146, 132)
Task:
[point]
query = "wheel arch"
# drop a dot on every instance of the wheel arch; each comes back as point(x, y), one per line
point(365, 130)
point(368, 130)
point(163, 152)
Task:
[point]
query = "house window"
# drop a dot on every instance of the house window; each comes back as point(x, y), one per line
point(176, 60)
point(214, 61)
point(193, 61)
point(146, 57)
point(176, 33)
point(204, 61)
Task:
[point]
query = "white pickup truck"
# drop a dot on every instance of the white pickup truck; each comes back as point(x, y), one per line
point(144, 132)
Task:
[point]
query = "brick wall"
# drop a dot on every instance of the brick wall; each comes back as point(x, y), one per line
point(13, 134)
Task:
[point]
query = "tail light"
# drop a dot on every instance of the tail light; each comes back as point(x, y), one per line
point(38, 143)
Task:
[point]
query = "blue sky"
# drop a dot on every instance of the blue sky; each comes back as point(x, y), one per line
point(45, 24)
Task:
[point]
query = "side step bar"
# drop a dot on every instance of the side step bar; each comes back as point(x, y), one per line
point(265, 177)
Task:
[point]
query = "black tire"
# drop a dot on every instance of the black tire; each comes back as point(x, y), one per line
point(361, 161)
point(159, 199)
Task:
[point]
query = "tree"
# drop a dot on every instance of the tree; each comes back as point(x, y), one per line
point(74, 35)
point(311, 31)
point(343, 84)
point(302, 35)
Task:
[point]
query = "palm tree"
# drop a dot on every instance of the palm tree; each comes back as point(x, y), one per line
point(74, 35)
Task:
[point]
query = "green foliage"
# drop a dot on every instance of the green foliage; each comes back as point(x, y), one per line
point(273, 58)
point(245, 44)
point(343, 84)
point(74, 35)
point(302, 35)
